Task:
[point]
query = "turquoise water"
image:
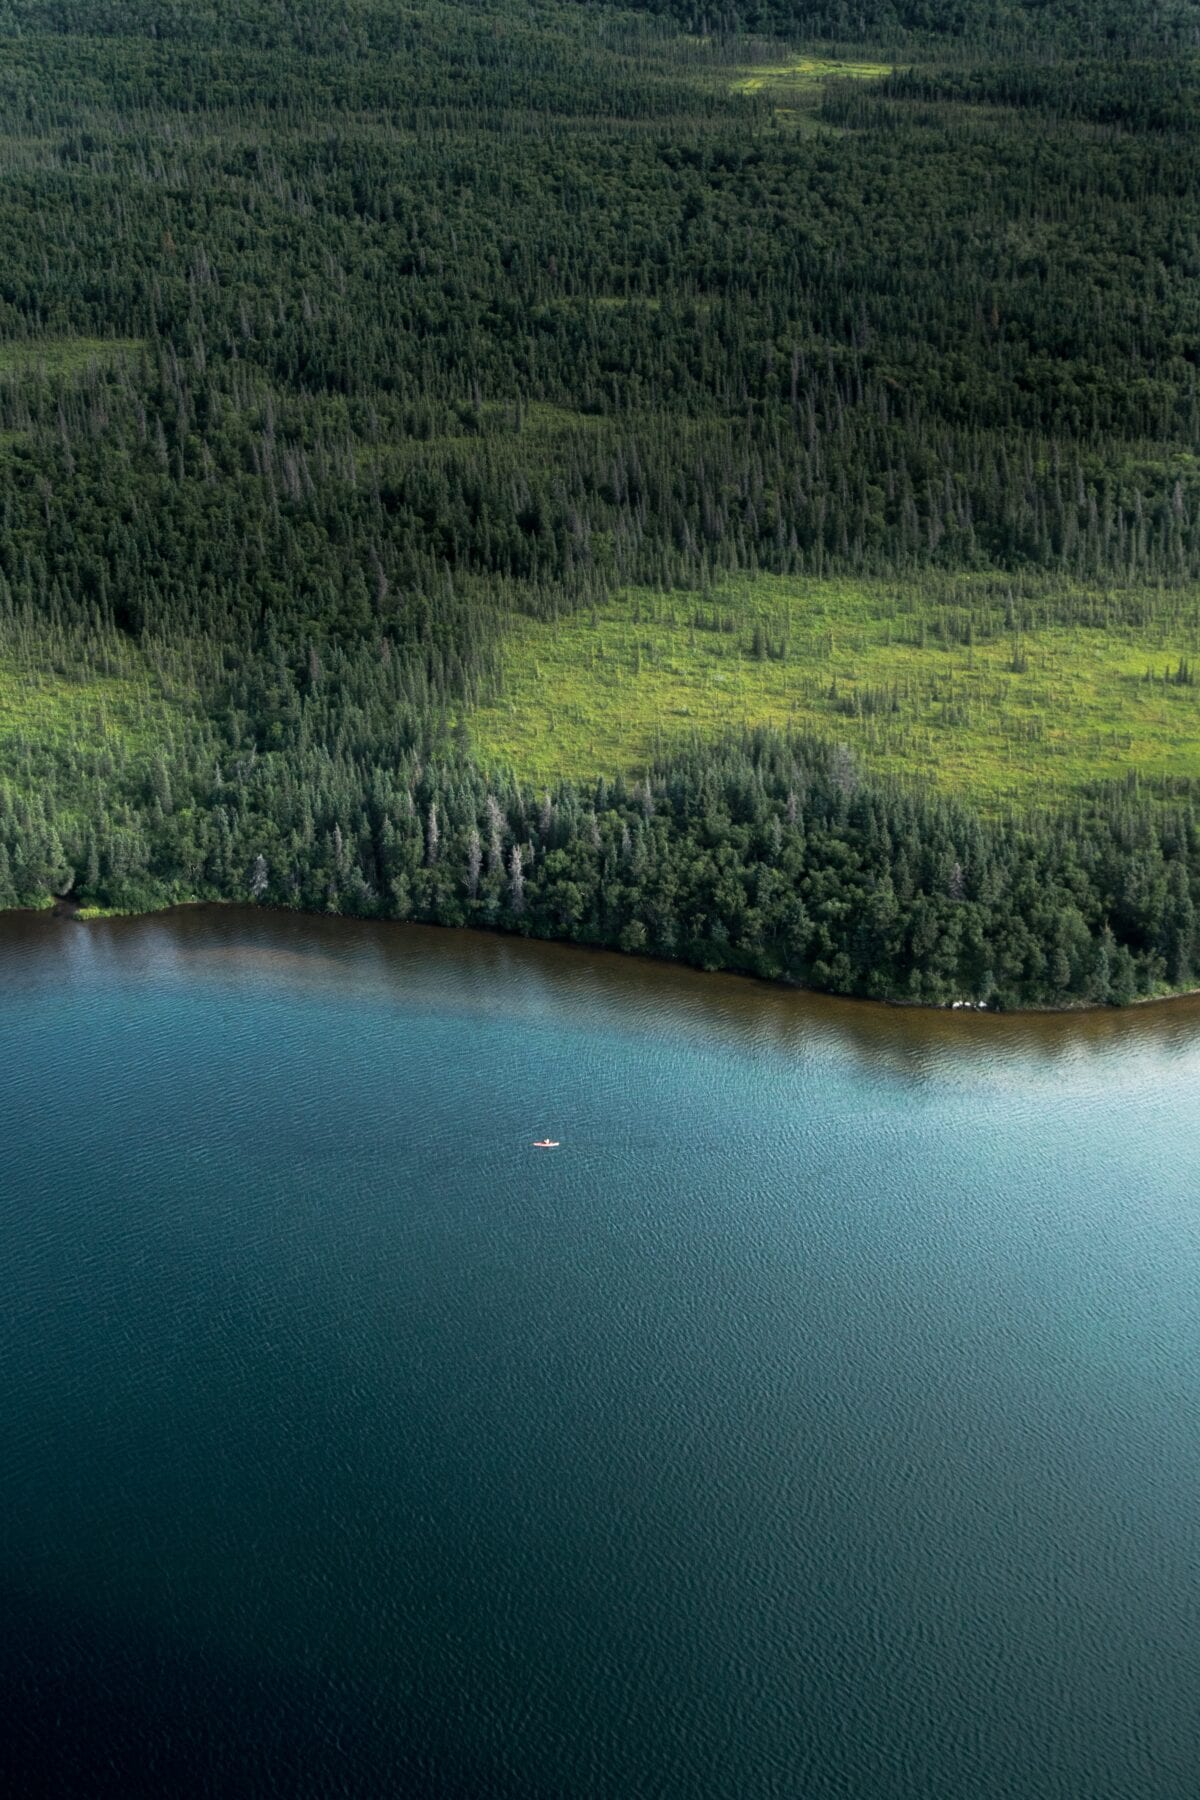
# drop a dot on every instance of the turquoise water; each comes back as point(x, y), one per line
point(821, 1419)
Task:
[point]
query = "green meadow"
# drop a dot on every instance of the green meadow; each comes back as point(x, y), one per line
point(802, 74)
point(63, 356)
point(794, 88)
point(104, 723)
point(1001, 698)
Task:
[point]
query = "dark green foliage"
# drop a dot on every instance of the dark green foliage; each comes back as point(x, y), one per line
point(959, 328)
point(1072, 23)
point(331, 337)
point(758, 855)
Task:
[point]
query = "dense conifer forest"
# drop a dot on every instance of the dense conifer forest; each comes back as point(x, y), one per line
point(347, 350)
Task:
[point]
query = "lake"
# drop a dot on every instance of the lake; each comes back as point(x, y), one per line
point(820, 1419)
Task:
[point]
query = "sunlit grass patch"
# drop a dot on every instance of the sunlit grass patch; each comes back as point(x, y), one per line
point(622, 302)
point(62, 356)
point(1013, 716)
point(103, 720)
point(805, 73)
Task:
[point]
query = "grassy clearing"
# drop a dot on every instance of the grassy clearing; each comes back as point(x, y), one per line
point(794, 87)
point(543, 420)
point(1017, 715)
point(535, 424)
point(59, 710)
point(62, 356)
point(107, 724)
point(803, 75)
point(619, 302)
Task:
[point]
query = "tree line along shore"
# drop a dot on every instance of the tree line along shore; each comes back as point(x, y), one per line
point(717, 486)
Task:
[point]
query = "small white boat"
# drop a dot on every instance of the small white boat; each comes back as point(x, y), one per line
point(545, 1143)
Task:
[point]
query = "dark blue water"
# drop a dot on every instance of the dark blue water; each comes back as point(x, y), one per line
point(821, 1419)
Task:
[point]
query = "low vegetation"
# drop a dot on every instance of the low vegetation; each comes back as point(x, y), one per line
point(63, 356)
point(794, 89)
point(806, 72)
point(47, 713)
point(1002, 693)
point(670, 477)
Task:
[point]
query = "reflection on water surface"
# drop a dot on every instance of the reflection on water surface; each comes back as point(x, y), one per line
point(821, 1419)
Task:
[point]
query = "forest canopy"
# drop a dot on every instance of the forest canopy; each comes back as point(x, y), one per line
point(347, 354)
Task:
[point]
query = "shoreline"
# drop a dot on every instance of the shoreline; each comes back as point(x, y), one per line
point(61, 908)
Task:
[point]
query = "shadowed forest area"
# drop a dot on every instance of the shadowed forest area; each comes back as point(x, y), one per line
point(720, 482)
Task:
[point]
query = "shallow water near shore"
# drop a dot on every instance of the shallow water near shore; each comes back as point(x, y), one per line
point(821, 1418)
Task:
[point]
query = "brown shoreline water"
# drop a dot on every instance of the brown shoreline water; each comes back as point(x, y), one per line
point(312, 948)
